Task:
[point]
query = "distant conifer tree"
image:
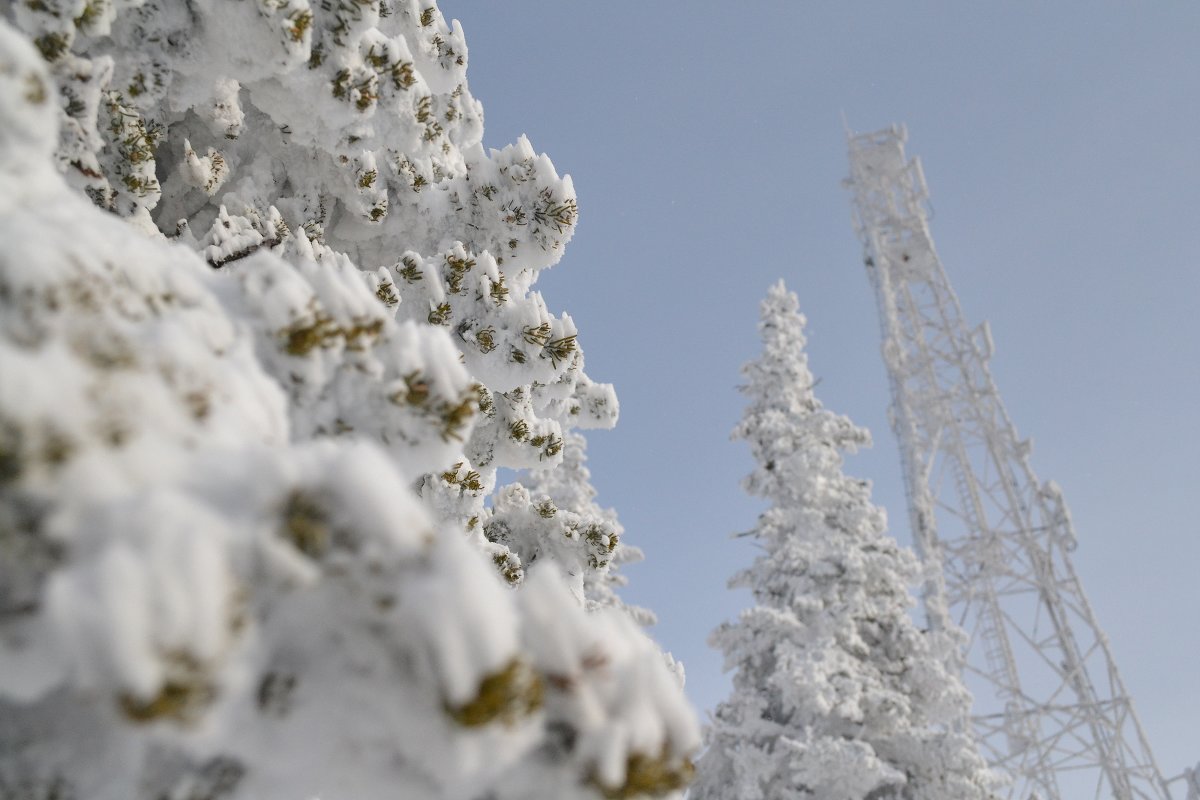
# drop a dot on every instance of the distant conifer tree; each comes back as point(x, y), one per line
point(837, 695)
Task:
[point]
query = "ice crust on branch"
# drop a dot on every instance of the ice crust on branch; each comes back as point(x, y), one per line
point(837, 693)
point(267, 331)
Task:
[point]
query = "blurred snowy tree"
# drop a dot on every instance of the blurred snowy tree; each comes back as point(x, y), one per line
point(837, 695)
point(267, 332)
point(592, 532)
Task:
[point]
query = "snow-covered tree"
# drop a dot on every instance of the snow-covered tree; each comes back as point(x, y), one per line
point(594, 531)
point(837, 694)
point(267, 332)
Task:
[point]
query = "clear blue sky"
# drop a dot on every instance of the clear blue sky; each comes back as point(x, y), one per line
point(1061, 142)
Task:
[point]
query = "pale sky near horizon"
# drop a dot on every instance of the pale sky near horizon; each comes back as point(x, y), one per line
point(1061, 143)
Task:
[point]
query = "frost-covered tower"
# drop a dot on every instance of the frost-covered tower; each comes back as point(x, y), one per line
point(1051, 709)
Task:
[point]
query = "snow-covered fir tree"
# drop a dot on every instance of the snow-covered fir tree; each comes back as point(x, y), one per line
point(837, 694)
point(569, 486)
point(267, 331)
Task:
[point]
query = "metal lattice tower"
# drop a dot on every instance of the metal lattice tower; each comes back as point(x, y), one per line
point(1051, 711)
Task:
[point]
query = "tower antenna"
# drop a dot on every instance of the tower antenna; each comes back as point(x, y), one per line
point(1051, 711)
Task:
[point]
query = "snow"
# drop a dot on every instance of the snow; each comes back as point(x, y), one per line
point(836, 692)
point(253, 408)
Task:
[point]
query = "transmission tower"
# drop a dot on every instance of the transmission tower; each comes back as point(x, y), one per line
point(1051, 712)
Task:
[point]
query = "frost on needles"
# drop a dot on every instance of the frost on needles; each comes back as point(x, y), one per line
point(837, 694)
point(267, 332)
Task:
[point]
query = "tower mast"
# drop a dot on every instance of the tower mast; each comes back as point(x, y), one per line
point(1051, 711)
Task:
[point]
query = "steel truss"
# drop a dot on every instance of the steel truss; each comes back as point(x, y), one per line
point(1051, 712)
